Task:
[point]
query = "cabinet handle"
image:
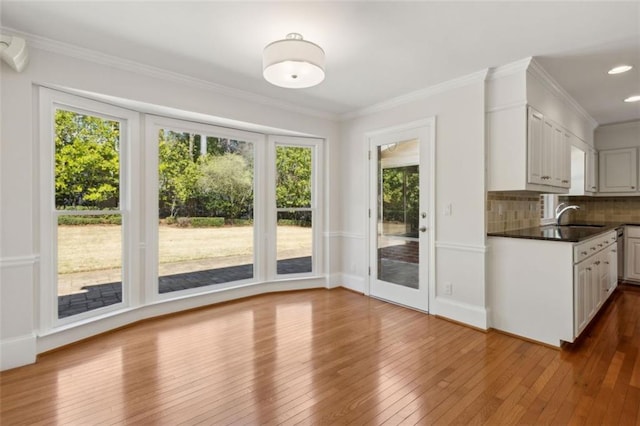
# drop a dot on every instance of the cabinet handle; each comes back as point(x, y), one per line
point(613, 251)
point(593, 187)
point(597, 263)
point(588, 269)
point(565, 181)
point(606, 263)
point(584, 253)
point(633, 187)
point(593, 248)
point(599, 245)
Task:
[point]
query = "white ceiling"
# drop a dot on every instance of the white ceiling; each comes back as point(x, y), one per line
point(375, 50)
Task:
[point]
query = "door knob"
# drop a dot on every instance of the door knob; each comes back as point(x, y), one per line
point(423, 229)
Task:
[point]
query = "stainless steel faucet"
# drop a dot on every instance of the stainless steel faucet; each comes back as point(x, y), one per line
point(561, 210)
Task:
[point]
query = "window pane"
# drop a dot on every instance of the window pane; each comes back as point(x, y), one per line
point(87, 163)
point(89, 263)
point(294, 242)
point(400, 201)
point(205, 211)
point(293, 184)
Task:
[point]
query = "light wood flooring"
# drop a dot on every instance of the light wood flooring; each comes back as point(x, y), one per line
point(331, 357)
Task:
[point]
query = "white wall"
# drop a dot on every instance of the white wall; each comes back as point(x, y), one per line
point(621, 135)
point(19, 245)
point(459, 164)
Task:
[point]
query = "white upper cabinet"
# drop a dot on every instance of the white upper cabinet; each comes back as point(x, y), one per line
point(618, 170)
point(535, 147)
point(530, 123)
point(591, 171)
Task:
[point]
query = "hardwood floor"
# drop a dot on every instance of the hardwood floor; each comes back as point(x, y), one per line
point(331, 357)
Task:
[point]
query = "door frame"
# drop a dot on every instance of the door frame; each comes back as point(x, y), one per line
point(413, 129)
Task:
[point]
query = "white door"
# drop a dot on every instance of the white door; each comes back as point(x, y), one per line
point(400, 215)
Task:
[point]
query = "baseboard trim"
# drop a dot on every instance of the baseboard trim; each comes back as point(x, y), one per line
point(471, 315)
point(354, 283)
point(17, 351)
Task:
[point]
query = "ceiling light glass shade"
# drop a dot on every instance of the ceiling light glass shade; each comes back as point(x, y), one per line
point(293, 63)
point(634, 98)
point(620, 69)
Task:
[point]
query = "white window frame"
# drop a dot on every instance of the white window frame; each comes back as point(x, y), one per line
point(139, 206)
point(49, 101)
point(317, 191)
point(153, 124)
point(549, 213)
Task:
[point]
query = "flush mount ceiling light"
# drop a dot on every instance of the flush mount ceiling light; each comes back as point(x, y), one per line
point(620, 69)
point(293, 63)
point(634, 98)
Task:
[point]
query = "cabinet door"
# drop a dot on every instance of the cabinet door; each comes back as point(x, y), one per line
point(612, 263)
point(603, 279)
point(550, 142)
point(535, 125)
point(564, 166)
point(590, 178)
point(618, 170)
point(581, 294)
point(632, 264)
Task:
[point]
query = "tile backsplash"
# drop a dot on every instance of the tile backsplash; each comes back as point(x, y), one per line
point(604, 209)
point(507, 211)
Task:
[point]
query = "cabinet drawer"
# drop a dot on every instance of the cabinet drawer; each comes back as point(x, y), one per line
point(632, 231)
point(590, 247)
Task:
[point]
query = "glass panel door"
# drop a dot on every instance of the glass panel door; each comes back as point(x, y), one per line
point(399, 218)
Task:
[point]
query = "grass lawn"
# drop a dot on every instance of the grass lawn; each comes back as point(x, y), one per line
point(98, 247)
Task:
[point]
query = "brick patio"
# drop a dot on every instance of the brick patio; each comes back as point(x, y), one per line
point(100, 295)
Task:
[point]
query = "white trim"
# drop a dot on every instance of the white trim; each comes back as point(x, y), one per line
point(517, 104)
point(19, 261)
point(17, 351)
point(537, 71)
point(508, 69)
point(332, 234)
point(461, 247)
point(417, 95)
point(340, 234)
point(53, 46)
point(624, 124)
point(466, 313)
point(355, 283)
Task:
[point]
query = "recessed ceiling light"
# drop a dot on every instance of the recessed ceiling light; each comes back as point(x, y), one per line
point(620, 69)
point(634, 98)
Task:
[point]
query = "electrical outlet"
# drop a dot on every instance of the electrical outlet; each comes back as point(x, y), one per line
point(448, 289)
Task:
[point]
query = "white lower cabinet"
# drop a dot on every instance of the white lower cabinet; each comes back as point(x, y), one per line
point(595, 278)
point(632, 253)
point(549, 291)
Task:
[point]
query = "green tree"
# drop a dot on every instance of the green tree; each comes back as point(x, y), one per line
point(87, 162)
point(177, 173)
point(226, 181)
point(293, 184)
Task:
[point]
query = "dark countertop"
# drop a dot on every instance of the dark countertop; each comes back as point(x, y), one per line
point(566, 233)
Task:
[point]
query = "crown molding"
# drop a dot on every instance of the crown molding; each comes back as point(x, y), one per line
point(66, 49)
point(536, 69)
point(510, 68)
point(632, 124)
point(417, 95)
